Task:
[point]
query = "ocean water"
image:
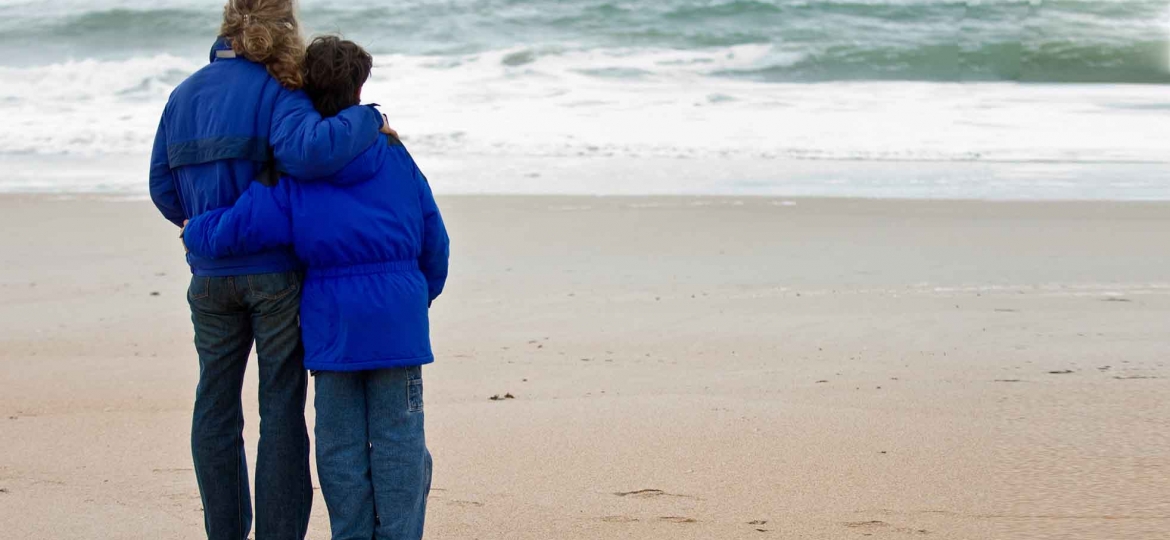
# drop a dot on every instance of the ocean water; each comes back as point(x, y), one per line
point(999, 99)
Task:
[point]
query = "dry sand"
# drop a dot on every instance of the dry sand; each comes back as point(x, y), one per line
point(682, 369)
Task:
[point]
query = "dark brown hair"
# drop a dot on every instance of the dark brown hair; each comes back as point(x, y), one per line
point(267, 32)
point(335, 69)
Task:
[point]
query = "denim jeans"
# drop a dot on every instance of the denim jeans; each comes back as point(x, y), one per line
point(229, 313)
point(372, 457)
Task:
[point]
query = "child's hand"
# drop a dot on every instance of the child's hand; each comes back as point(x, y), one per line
point(386, 127)
point(182, 230)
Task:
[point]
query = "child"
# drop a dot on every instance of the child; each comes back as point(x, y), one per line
point(376, 253)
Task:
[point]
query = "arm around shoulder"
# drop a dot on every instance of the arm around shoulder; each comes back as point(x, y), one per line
point(260, 220)
point(308, 146)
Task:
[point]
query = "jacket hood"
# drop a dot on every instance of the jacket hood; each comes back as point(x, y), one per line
point(366, 165)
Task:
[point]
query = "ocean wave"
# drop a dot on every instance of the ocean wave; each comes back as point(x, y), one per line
point(735, 8)
point(87, 107)
point(1124, 41)
point(1051, 61)
point(92, 80)
point(628, 103)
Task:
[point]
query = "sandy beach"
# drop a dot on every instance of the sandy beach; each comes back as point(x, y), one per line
point(682, 368)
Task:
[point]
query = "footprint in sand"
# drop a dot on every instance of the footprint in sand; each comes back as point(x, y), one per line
point(475, 504)
point(172, 470)
point(650, 494)
point(183, 496)
point(618, 519)
point(881, 525)
point(678, 519)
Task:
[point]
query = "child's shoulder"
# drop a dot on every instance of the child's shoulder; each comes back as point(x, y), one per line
point(394, 153)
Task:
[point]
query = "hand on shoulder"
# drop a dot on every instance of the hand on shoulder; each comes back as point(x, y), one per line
point(386, 127)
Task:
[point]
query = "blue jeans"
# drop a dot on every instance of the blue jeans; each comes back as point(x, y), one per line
point(372, 456)
point(229, 313)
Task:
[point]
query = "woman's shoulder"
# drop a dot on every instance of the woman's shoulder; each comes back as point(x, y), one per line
point(231, 81)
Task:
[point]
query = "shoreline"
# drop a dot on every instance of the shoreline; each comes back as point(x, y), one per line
point(590, 176)
point(134, 197)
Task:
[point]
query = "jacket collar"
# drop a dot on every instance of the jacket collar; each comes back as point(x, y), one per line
point(221, 50)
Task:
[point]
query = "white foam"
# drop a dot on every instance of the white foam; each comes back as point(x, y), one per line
point(630, 108)
point(553, 106)
point(86, 107)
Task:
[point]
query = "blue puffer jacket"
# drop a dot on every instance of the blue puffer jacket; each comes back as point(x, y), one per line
point(220, 128)
point(376, 250)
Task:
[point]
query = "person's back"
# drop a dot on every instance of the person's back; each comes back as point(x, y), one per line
point(376, 253)
point(220, 129)
point(202, 179)
point(224, 127)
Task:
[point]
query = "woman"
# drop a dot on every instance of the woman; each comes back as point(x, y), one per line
point(239, 118)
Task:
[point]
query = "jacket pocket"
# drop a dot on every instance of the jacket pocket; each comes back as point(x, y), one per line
point(274, 286)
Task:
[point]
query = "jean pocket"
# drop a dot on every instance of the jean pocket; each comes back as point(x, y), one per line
point(274, 286)
point(200, 288)
point(414, 395)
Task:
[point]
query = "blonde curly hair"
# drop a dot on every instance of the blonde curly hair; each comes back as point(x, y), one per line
point(267, 32)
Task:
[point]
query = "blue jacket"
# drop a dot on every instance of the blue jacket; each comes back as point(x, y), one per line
point(376, 250)
point(222, 126)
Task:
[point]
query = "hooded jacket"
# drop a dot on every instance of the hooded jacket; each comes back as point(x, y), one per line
point(375, 248)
